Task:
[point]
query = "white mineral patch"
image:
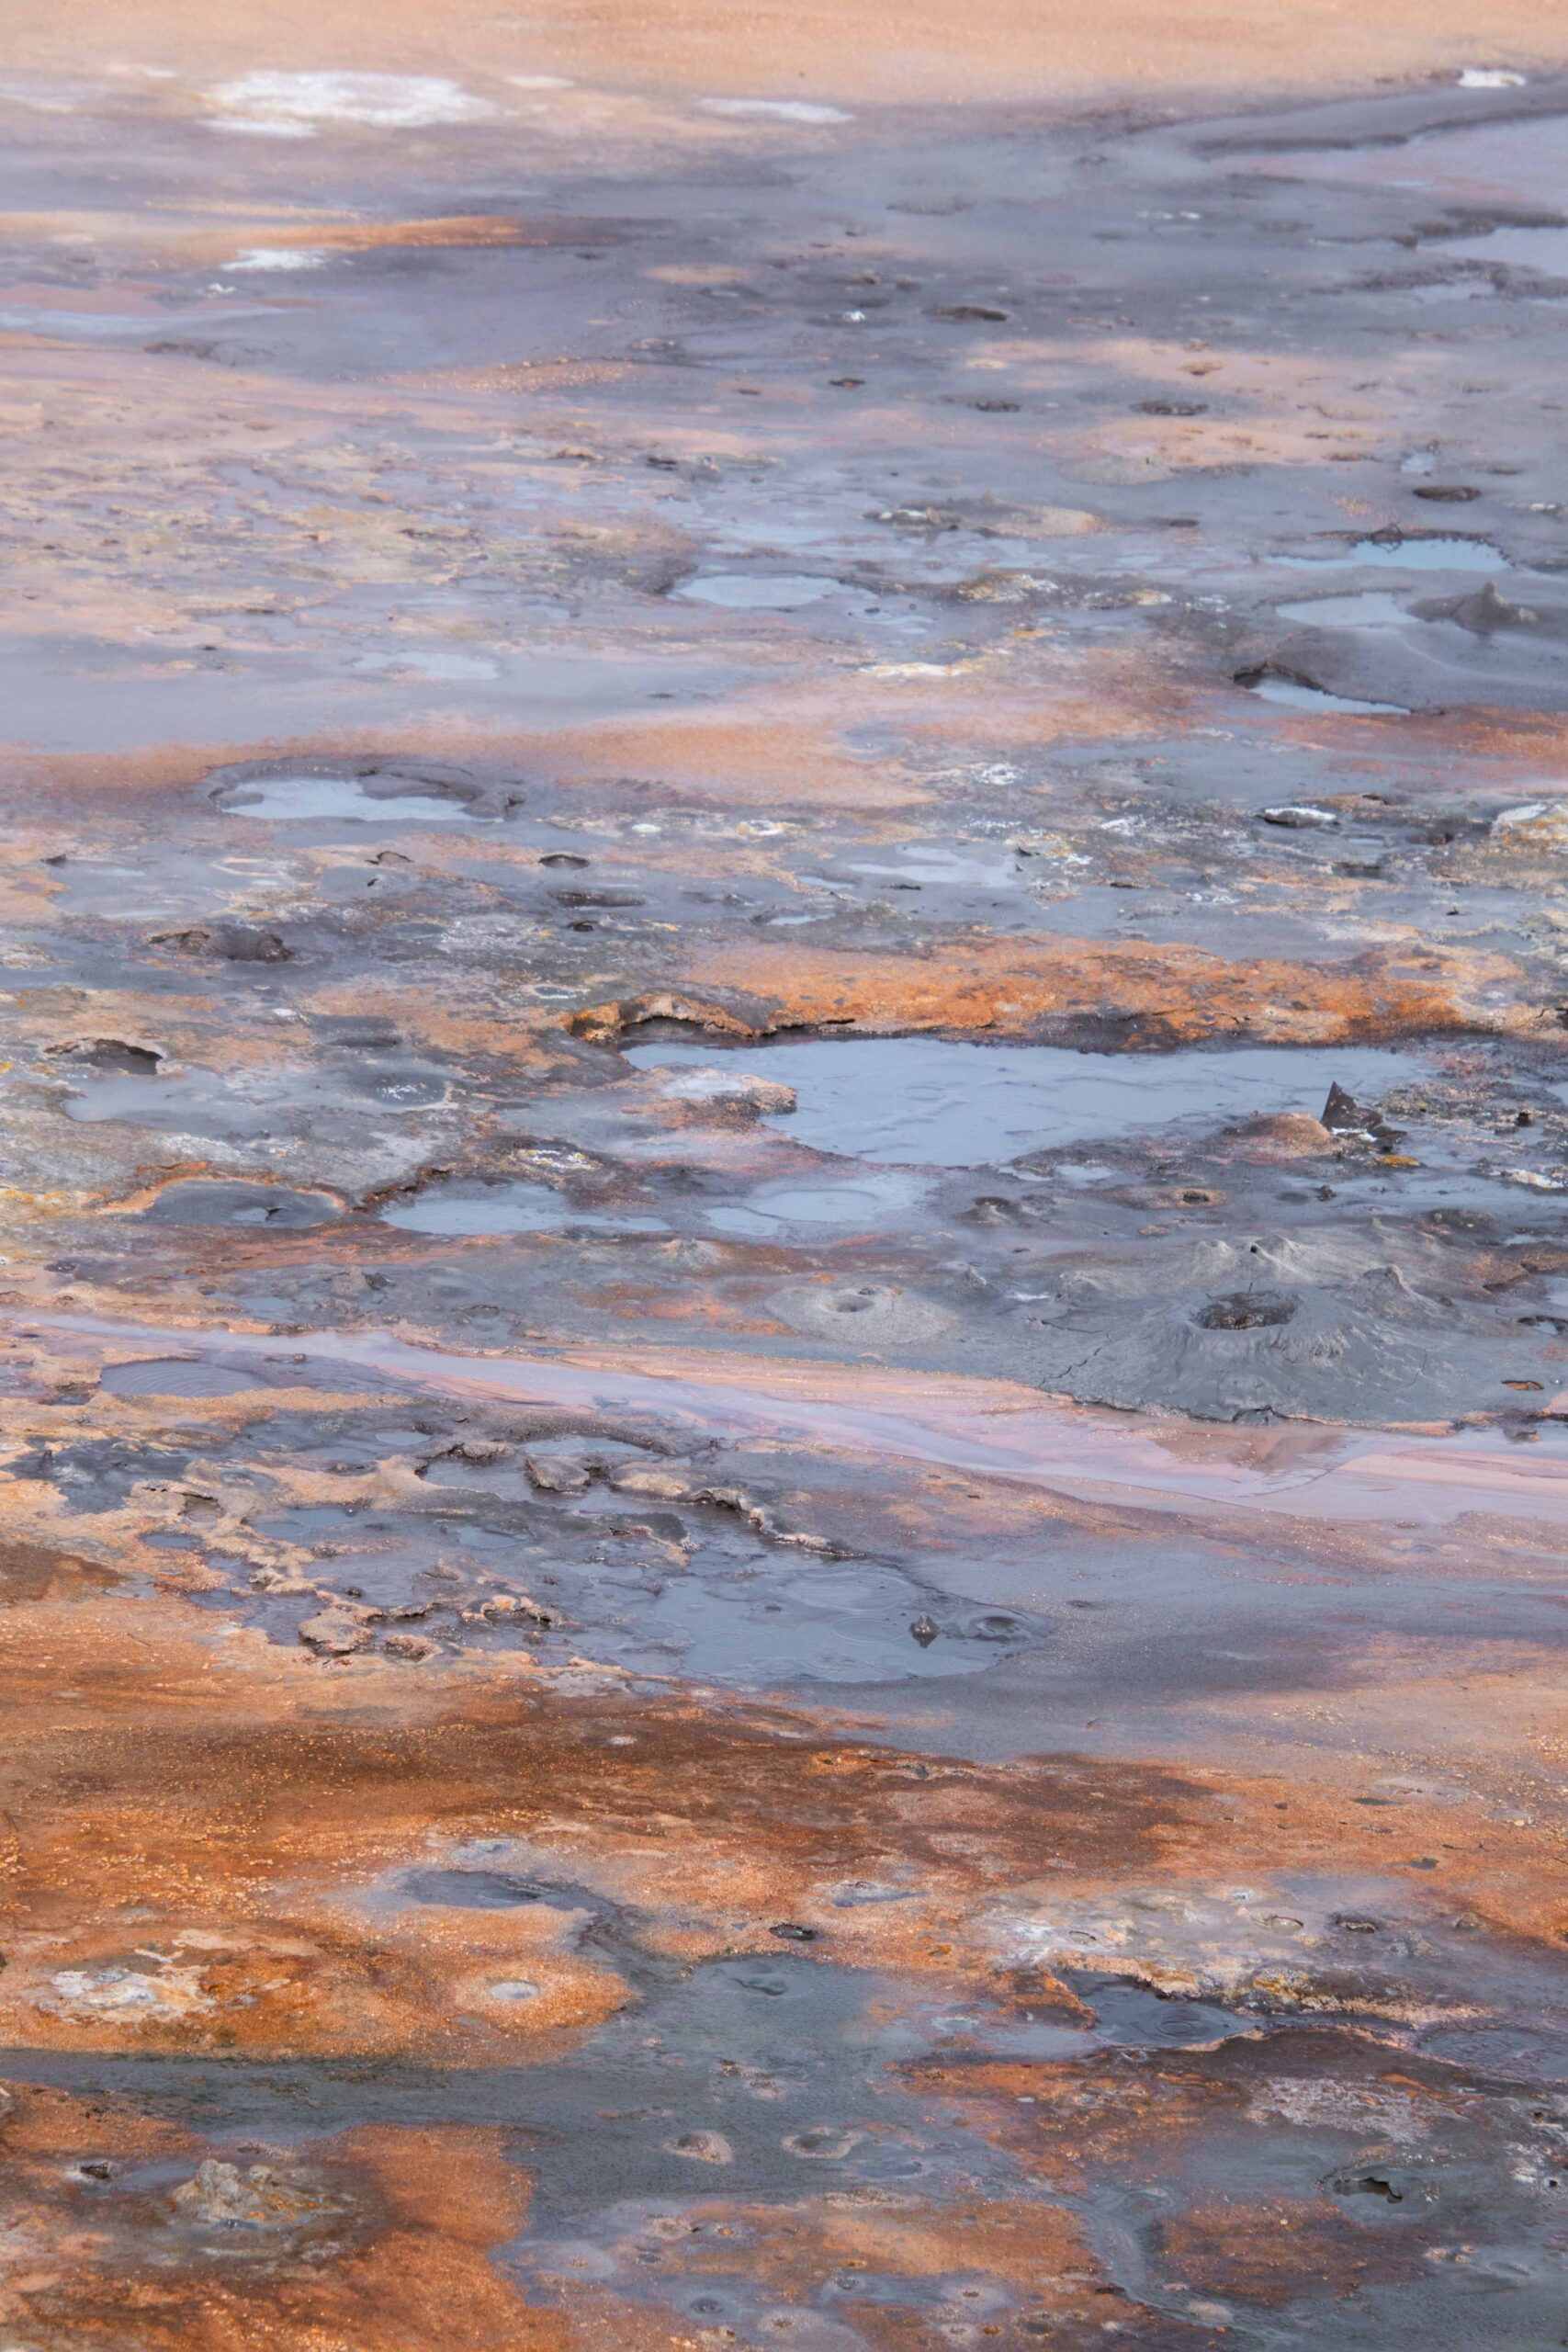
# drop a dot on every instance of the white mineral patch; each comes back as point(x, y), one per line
point(776, 109)
point(280, 257)
point(125, 1992)
point(288, 104)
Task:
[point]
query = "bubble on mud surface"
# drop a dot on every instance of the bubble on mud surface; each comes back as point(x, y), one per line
point(1299, 817)
point(292, 102)
point(1519, 2053)
point(1137, 2017)
point(846, 1207)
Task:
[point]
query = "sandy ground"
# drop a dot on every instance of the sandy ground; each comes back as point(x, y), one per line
point(922, 53)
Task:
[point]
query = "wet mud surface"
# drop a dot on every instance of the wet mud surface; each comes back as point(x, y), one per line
point(784, 1122)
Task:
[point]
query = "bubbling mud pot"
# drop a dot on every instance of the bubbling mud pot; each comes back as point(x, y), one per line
point(783, 1302)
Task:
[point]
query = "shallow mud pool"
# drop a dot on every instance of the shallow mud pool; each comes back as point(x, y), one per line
point(924, 1101)
point(783, 1139)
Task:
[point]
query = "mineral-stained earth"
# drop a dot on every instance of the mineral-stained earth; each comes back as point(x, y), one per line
point(784, 1134)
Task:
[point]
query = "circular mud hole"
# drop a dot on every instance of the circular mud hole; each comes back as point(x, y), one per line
point(868, 1314)
point(1382, 2192)
point(200, 1203)
point(1247, 1310)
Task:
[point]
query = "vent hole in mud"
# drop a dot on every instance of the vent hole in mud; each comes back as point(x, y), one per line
point(1367, 2184)
point(1245, 1311)
point(109, 1056)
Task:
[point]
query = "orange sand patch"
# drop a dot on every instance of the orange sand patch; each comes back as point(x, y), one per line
point(1016, 52)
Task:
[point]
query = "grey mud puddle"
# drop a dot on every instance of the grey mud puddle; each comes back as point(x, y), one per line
point(460, 1207)
point(934, 1102)
point(1372, 608)
point(1407, 552)
point(203, 1102)
point(195, 1376)
point(179, 1377)
point(1541, 249)
point(1299, 693)
point(655, 1576)
point(745, 592)
point(275, 1208)
point(295, 799)
point(141, 1087)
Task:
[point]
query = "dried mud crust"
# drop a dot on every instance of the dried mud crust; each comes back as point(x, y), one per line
point(783, 1114)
